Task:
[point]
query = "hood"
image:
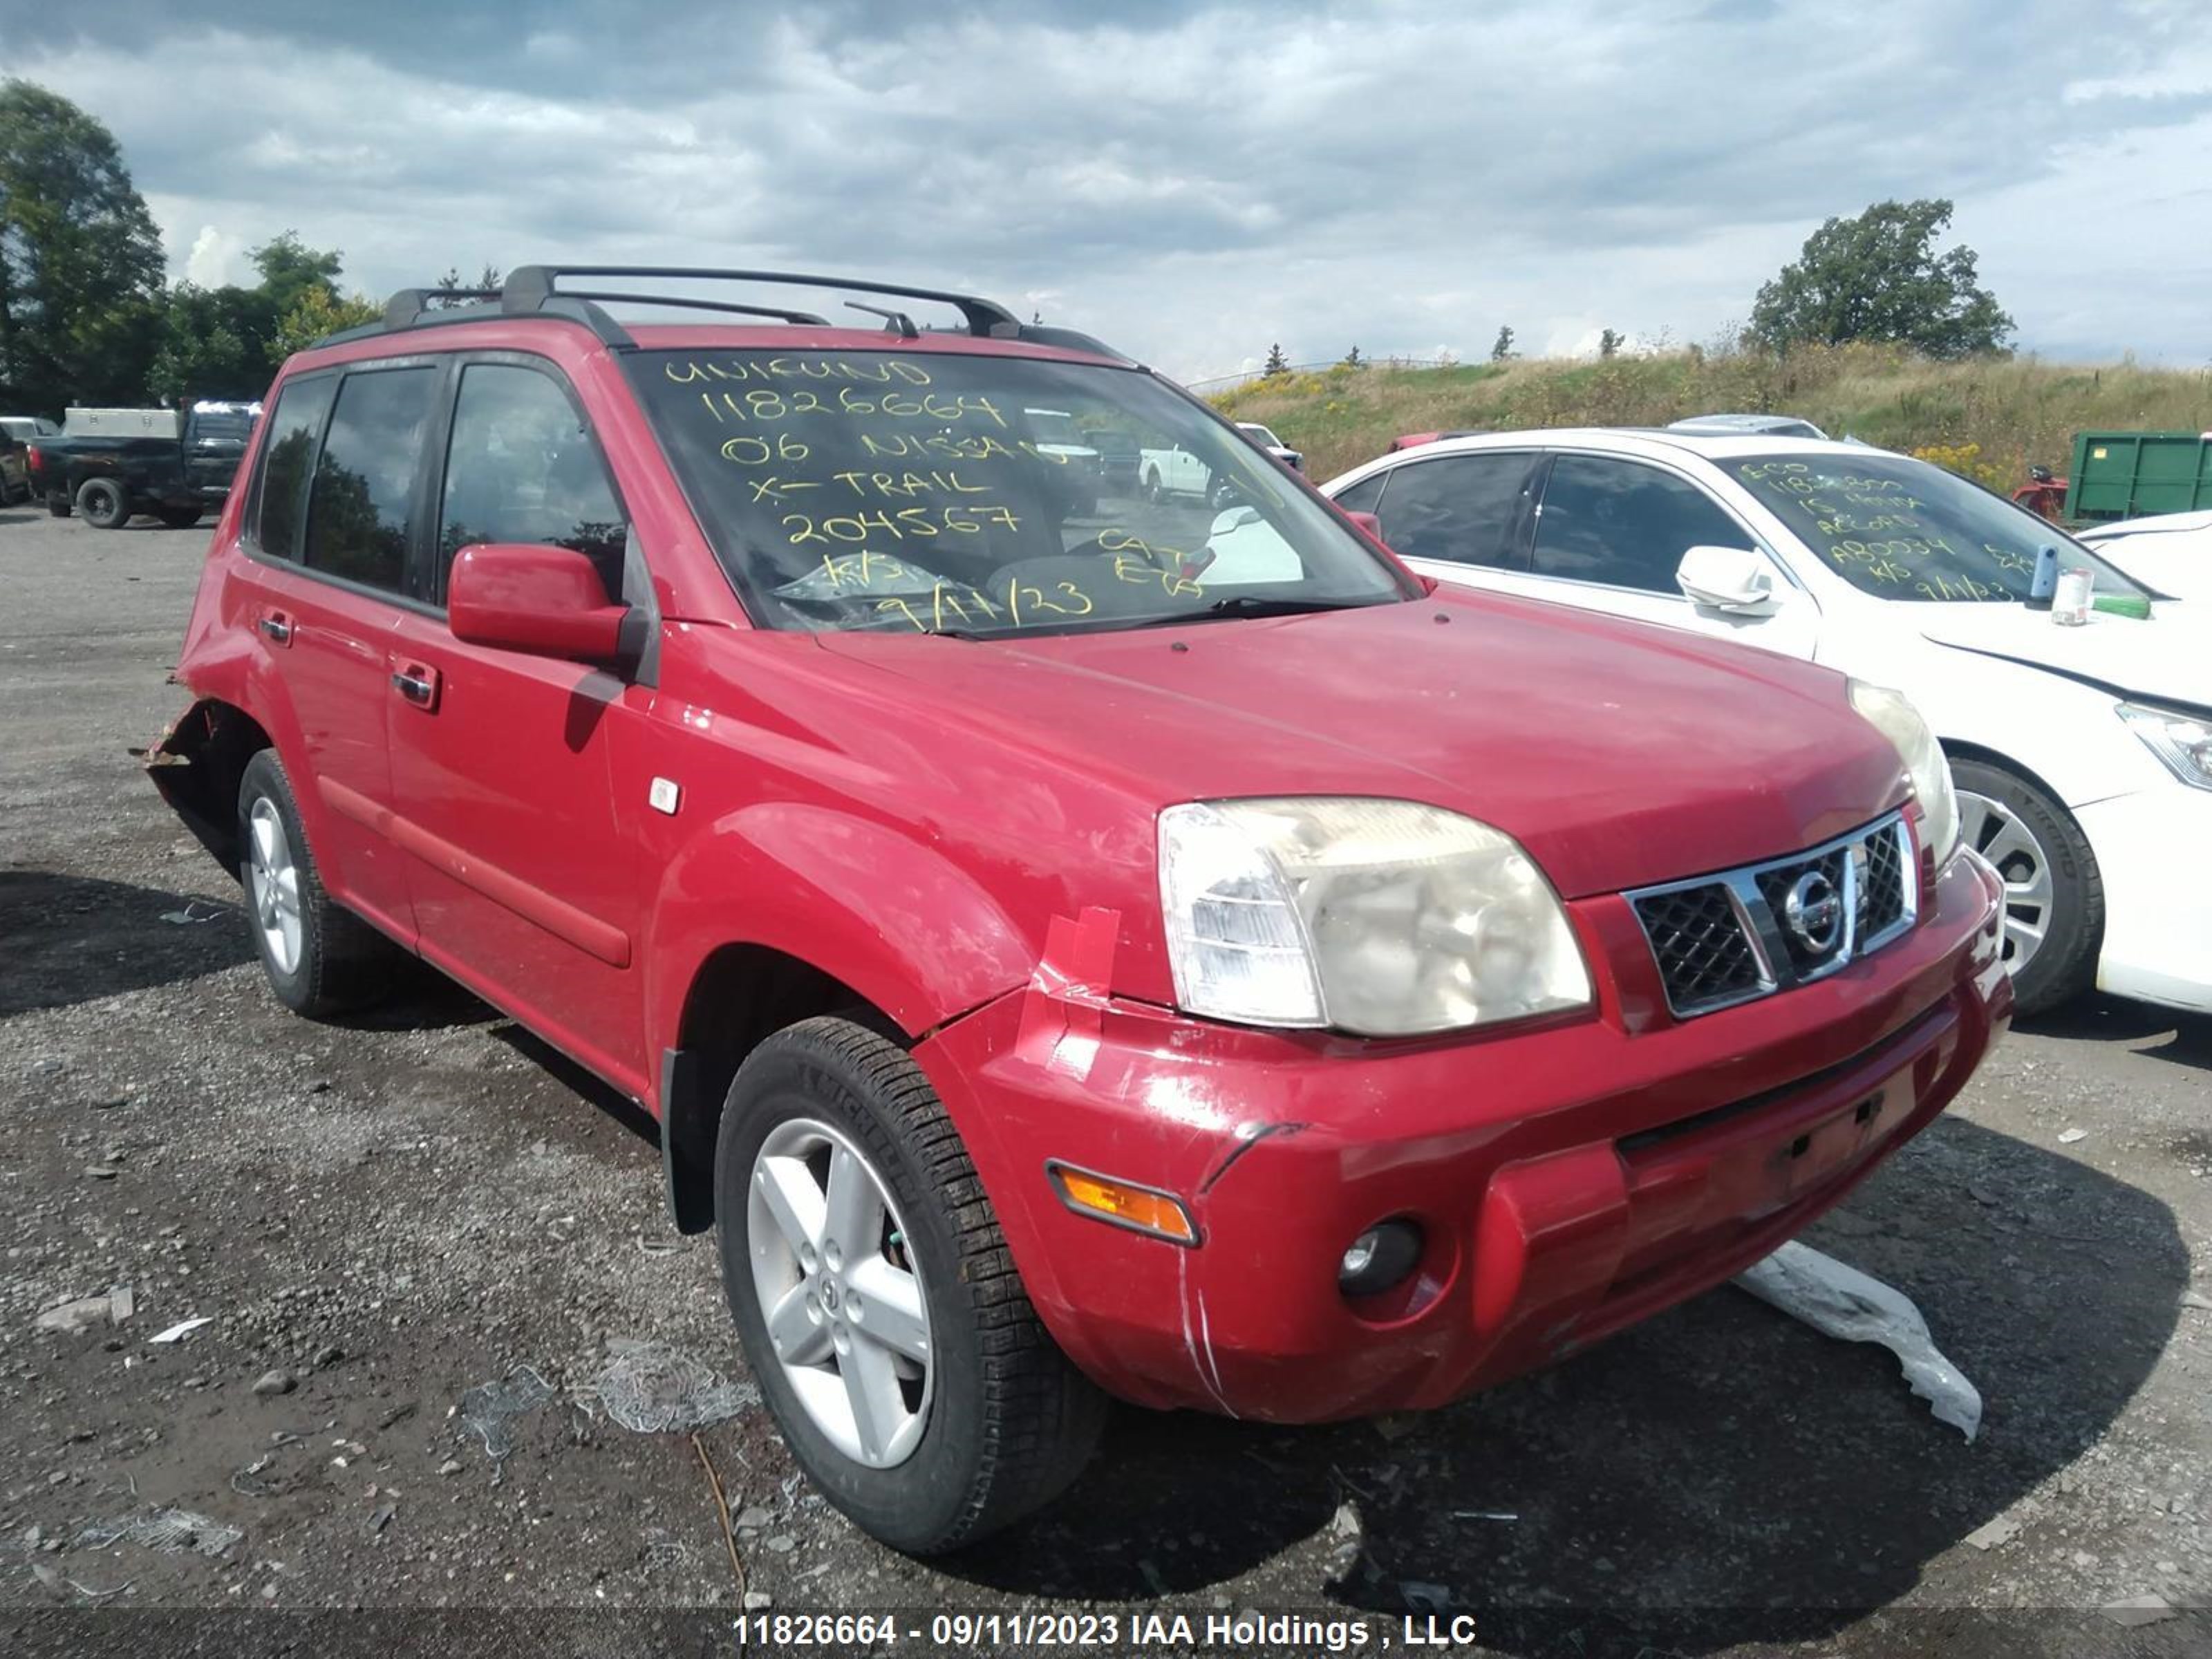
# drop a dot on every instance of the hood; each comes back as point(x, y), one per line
point(2177, 562)
point(1619, 755)
point(2168, 657)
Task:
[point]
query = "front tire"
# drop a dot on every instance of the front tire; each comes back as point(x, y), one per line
point(105, 503)
point(180, 518)
point(319, 957)
point(842, 1191)
point(2054, 894)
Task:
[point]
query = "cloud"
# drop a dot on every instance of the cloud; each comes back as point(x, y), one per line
point(1190, 181)
point(215, 260)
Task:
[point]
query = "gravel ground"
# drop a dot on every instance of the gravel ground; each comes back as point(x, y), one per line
point(376, 1217)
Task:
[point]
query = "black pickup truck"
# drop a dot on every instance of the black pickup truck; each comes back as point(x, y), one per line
point(175, 479)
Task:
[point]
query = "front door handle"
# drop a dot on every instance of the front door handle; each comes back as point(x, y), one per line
point(418, 684)
point(277, 626)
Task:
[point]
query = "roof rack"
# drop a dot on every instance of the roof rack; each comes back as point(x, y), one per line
point(534, 291)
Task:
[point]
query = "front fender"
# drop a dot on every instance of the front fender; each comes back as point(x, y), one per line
point(869, 905)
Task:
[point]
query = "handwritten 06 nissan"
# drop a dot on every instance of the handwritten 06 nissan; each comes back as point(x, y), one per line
point(1075, 939)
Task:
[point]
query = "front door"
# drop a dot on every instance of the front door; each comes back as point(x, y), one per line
point(1609, 534)
point(523, 870)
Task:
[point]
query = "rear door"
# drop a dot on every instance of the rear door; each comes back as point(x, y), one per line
point(1462, 517)
point(325, 583)
point(523, 864)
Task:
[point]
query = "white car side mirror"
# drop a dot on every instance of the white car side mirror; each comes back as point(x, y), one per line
point(1735, 579)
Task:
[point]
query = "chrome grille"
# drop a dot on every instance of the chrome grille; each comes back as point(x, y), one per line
point(1725, 939)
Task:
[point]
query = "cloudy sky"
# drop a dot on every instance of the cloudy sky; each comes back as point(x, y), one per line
point(1191, 181)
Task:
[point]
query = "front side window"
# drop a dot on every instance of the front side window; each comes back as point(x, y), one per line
point(981, 495)
point(293, 430)
point(521, 466)
point(1624, 524)
point(1902, 529)
point(357, 506)
point(1460, 508)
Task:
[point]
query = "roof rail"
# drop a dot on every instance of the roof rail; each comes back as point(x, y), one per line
point(529, 287)
point(534, 291)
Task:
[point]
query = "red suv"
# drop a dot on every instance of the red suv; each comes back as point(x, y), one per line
point(1071, 943)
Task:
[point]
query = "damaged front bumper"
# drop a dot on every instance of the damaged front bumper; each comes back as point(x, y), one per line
point(1568, 1180)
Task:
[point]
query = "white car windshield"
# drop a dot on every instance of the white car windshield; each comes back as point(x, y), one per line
point(1902, 529)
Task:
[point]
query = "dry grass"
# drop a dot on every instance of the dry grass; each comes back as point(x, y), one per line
point(2017, 411)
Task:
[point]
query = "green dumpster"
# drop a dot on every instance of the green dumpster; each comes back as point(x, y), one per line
point(2129, 474)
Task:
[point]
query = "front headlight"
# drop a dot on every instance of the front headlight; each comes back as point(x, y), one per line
point(1385, 918)
point(1893, 714)
point(2183, 741)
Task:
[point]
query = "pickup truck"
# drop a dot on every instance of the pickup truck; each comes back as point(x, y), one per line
point(174, 476)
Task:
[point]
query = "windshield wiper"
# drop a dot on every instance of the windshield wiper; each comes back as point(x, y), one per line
point(1256, 605)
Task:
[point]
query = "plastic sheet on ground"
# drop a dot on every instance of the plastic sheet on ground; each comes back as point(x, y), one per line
point(163, 1529)
point(650, 1388)
point(490, 1408)
point(1842, 1302)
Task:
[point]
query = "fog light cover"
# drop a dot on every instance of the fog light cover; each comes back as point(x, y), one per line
point(1379, 1259)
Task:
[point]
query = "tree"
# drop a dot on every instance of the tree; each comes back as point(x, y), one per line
point(1277, 363)
point(80, 259)
point(291, 270)
point(1610, 342)
point(1502, 348)
point(1878, 277)
point(319, 311)
point(1353, 360)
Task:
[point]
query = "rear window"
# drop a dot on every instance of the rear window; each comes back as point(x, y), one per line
point(364, 483)
point(294, 431)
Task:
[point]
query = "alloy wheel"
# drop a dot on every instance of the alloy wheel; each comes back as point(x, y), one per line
point(2001, 835)
point(273, 883)
point(839, 1291)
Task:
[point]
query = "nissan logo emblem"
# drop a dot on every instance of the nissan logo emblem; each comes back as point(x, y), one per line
point(1815, 912)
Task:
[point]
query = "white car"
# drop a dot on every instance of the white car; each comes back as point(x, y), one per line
point(2082, 754)
point(1265, 438)
point(2170, 552)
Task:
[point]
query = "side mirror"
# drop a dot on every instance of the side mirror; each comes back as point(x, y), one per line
point(548, 601)
point(1735, 579)
point(1371, 525)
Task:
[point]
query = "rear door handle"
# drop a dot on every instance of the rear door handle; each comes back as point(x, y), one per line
point(277, 626)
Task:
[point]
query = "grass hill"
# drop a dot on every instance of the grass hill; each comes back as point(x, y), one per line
point(1990, 417)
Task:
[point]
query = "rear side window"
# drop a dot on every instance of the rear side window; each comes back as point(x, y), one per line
point(1363, 495)
point(521, 467)
point(1457, 507)
point(1625, 525)
point(358, 508)
point(293, 432)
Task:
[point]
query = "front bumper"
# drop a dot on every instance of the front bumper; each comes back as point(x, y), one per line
point(2157, 907)
point(1570, 1178)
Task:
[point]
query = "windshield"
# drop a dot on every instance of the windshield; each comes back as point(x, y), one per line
point(1902, 529)
point(942, 492)
point(1261, 434)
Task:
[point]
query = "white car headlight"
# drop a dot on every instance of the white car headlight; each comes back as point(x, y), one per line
point(1385, 918)
point(1893, 714)
point(2183, 741)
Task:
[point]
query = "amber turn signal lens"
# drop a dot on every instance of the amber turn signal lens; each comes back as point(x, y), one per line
point(1141, 1209)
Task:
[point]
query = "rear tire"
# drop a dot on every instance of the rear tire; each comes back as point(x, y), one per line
point(319, 959)
point(991, 1421)
point(105, 503)
point(2054, 893)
